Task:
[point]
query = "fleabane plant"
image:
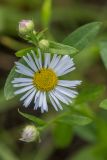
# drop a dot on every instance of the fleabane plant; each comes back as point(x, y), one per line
point(39, 76)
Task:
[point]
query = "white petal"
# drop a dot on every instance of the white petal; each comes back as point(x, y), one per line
point(64, 60)
point(56, 100)
point(23, 68)
point(33, 65)
point(36, 101)
point(21, 80)
point(42, 111)
point(36, 96)
point(45, 106)
point(53, 103)
point(25, 73)
point(53, 60)
point(29, 99)
point(66, 91)
point(41, 99)
point(22, 84)
point(36, 104)
point(67, 83)
point(59, 96)
point(27, 61)
point(24, 89)
point(67, 71)
point(47, 60)
point(40, 58)
point(64, 67)
point(67, 66)
point(27, 94)
point(36, 60)
point(65, 97)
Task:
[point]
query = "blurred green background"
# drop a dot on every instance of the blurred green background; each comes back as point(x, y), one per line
point(62, 142)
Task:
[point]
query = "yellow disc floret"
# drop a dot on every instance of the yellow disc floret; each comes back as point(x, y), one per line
point(45, 79)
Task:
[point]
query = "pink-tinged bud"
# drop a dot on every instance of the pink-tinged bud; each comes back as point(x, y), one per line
point(26, 26)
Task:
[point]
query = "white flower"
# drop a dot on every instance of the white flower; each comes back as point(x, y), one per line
point(41, 80)
point(29, 134)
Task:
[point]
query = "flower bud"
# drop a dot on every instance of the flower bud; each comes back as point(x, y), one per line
point(43, 44)
point(26, 26)
point(29, 134)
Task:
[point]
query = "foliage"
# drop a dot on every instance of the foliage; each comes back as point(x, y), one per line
point(83, 35)
point(83, 117)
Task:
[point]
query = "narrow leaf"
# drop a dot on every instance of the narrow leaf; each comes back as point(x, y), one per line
point(77, 119)
point(62, 49)
point(87, 132)
point(84, 35)
point(82, 109)
point(34, 119)
point(8, 88)
point(23, 52)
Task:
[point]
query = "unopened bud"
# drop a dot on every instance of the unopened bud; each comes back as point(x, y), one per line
point(44, 44)
point(26, 26)
point(29, 134)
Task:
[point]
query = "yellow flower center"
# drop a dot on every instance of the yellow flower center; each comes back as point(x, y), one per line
point(45, 79)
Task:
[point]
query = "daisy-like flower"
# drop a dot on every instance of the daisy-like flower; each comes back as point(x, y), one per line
point(40, 80)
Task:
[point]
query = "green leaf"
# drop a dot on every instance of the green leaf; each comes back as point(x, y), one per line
point(23, 52)
point(62, 135)
point(77, 119)
point(81, 37)
point(87, 132)
point(8, 88)
point(103, 104)
point(61, 49)
point(34, 119)
point(103, 52)
point(90, 93)
point(83, 109)
point(88, 154)
point(6, 105)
